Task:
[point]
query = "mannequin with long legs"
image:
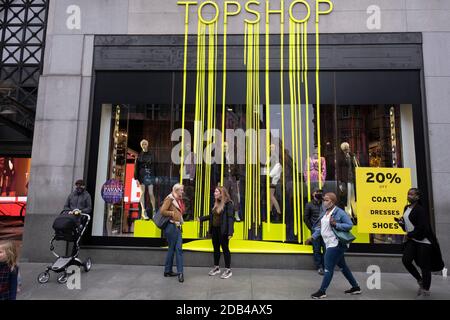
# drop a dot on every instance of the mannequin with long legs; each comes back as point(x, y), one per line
point(275, 175)
point(347, 164)
point(144, 174)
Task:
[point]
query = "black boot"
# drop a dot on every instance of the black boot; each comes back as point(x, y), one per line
point(170, 274)
point(180, 277)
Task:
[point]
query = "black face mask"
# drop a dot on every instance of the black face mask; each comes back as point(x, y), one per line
point(413, 199)
point(80, 189)
point(318, 197)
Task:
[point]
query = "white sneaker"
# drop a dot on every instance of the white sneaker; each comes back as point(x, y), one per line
point(226, 274)
point(214, 271)
point(236, 217)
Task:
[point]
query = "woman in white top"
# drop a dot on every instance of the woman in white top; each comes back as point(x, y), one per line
point(275, 175)
point(331, 218)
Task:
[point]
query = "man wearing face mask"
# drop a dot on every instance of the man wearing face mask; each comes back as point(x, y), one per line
point(79, 199)
point(313, 210)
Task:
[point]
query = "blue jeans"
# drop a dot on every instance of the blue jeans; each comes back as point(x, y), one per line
point(335, 256)
point(318, 253)
point(173, 235)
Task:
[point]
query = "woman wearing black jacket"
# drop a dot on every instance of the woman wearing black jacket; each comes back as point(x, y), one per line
point(221, 229)
point(421, 245)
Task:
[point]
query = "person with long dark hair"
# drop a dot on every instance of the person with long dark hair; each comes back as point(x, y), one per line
point(420, 244)
point(221, 229)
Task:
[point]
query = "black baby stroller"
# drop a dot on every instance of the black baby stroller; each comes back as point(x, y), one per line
point(68, 226)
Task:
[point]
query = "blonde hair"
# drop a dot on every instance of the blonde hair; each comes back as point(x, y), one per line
point(177, 186)
point(142, 141)
point(345, 145)
point(11, 253)
point(220, 204)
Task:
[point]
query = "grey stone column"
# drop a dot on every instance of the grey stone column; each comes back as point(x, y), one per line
point(60, 135)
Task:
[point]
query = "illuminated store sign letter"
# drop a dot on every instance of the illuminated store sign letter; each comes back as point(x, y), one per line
point(200, 12)
point(280, 11)
point(256, 13)
point(318, 12)
point(308, 8)
point(230, 13)
point(187, 4)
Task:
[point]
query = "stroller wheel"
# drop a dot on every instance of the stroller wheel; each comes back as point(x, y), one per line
point(87, 265)
point(43, 277)
point(62, 278)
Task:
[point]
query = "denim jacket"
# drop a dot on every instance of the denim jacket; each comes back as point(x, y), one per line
point(343, 222)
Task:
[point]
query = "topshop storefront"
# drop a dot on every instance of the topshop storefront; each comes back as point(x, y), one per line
point(273, 99)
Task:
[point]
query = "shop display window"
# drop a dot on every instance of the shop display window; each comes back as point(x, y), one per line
point(269, 194)
point(14, 178)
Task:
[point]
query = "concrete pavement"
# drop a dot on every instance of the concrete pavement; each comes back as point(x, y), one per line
point(138, 282)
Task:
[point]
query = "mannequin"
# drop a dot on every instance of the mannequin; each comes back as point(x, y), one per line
point(144, 174)
point(188, 181)
point(314, 168)
point(275, 175)
point(347, 176)
point(231, 180)
point(7, 173)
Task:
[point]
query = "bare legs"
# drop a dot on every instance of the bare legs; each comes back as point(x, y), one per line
point(142, 199)
point(274, 202)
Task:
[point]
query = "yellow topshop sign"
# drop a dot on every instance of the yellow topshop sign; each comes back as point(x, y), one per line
point(381, 197)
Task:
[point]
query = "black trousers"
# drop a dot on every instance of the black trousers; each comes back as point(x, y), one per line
point(219, 240)
point(421, 254)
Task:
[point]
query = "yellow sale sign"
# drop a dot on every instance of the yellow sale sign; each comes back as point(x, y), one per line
point(381, 197)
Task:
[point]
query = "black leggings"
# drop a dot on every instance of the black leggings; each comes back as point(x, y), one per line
point(218, 240)
point(421, 254)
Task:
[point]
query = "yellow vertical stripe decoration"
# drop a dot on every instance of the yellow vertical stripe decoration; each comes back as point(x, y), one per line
point(319, 156)
point(307, 113)
point(183, 106)
point(293, 124)
point(224, 90)
point(206, 109)
point(252, 185)
point(298, 127)
point(282, 122)
point(268, 154)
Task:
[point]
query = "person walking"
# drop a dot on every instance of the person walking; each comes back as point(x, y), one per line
point(312, 214)
point(331, 218)
point(173, 207)
point(420, 245)
point(221, 229)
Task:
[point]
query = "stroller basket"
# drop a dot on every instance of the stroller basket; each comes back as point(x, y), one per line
point(67, 227)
